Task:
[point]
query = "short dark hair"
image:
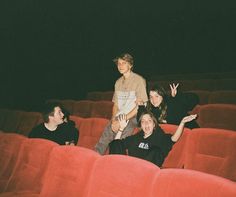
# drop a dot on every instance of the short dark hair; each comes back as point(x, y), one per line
point(125, 56)
point(48, 110)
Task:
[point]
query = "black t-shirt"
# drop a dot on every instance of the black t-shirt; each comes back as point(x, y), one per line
point(177, 108)
point(153, 148)
point(64, 133)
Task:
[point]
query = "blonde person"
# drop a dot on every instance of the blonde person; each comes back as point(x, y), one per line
point(129, 88)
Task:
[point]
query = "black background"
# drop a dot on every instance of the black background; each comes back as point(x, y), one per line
point(63, 48)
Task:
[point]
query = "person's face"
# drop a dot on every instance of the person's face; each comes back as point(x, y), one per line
point(57, 118)
point(123, 66)
point(147, 124)
point(155, 98)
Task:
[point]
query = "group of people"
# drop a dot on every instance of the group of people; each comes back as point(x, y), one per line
point(132, 108)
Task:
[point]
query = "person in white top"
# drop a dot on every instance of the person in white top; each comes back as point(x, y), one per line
point(129, 88)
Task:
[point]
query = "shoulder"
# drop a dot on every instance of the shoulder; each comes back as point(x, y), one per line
point(137, 76)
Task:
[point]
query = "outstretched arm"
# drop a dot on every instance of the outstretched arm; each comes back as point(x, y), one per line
point(180, 128)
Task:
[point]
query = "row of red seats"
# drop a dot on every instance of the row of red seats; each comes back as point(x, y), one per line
point(204, 149)
point(205, 96)
point(209, 115)
point(37, 167)
point(199, 84)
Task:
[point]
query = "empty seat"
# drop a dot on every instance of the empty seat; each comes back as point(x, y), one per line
point(217, 116)
point(102, 109)
point(90, 130)
point(28, 120)
point(224, 96)
point(120, 175)
point(83, 108)
point(175, 158)
point(69, 171)
point(9, 149)
point(178, 183)
point(28, 174)
point(212, 151)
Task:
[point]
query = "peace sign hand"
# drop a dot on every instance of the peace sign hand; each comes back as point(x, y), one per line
point(173, 89)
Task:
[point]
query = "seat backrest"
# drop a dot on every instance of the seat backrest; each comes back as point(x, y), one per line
point(31, 165)
point(10, 144)
point(83, 108)
point(12, 120)
point(223, 96)
point(120, 175)
point(175, 158)
point(90, 130)
point(28, 120)
point(179, 183)
point(68, 171)
point(217, 116)
point(102, 109)
point(212, 151)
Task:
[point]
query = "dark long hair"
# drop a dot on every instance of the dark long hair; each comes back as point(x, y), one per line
point(163, 106)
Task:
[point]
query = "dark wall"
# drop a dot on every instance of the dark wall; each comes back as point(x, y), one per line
point(64, 48)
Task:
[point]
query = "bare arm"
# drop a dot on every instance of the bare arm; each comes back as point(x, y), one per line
point(180, 128)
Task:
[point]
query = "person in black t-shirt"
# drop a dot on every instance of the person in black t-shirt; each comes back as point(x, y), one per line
point(169, 108)
point(151, 143)
point(52, 128)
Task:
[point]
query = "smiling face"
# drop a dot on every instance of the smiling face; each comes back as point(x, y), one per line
point(155, 98)
point(123, 66)
point(147, 124)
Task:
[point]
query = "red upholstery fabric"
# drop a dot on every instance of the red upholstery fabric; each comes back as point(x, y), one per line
point(102, 109)
point(68, 171)
point(90, 130)
point(124, 176)
point(11, 121)
point(9, 150)
point(217, 116)
point(68, 105)
point(175, 158)
point(179, 183)
point(212, 151)
point(83, 108)
point(227, 97)
point(77, 120)
point(27, 121)
point(32, 161)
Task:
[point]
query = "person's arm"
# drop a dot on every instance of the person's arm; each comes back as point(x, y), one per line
point(180, 128)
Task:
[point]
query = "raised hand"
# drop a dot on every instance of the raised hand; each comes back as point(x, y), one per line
point(173, 88)
point(123, 121)
point(188, 118)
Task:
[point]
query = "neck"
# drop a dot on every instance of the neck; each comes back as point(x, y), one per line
point(50, 126)
point(147, 135)
point(127, 74)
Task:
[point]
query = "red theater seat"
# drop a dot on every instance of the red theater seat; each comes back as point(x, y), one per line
point(68, 171)
point(83, 108)
point(124, 176)
point(217, 116)
point(27, 177)
point(9, 150)
point(90, 130)
point(227, 97)
point(175, 158)
point(179, 183)
point(212, 151)
point(102, 109)
point(28, 120)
